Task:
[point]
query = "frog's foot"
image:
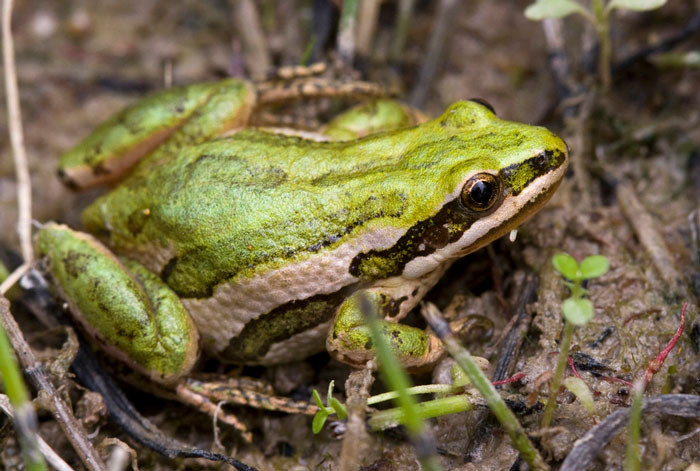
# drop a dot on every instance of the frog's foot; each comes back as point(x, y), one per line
point(349, 339)
point(277, 92)
point(297, 71)
point(245, 392)
point(207, 396)
point(205, 405)
point(125, 308)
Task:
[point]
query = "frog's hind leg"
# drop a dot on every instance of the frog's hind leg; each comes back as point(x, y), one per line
point(375, 116)
point(125, 308)
point(167, 119)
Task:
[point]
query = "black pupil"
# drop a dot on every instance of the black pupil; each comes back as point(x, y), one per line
point(481, 192)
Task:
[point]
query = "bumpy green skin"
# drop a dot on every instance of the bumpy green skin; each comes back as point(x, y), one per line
point(130, 312)
point(248, 204)
point(206, 213)
point(351, 341)
point(371, 118)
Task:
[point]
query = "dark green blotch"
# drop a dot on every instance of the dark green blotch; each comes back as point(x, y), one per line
point(281, 323)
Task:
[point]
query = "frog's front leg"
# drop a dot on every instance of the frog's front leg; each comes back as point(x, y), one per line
point(349, 339)
point(127, 309)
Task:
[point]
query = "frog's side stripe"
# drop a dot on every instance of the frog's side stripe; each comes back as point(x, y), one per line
point(282, 323)
point(449, 224)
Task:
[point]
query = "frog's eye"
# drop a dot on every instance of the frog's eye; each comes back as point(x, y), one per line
point(480, 192)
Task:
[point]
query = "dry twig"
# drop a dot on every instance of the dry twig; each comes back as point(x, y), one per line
point(442, 28)
point(14, 120)
point(592, 443)
point(50, 455)
point(357, 385)
point(73, 429)
point(247, 23)
point(63, 414)
point(646, 229)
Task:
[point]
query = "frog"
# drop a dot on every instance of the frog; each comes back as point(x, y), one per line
point(255, 246)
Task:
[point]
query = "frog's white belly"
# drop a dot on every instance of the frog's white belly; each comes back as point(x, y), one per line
point(224, 315)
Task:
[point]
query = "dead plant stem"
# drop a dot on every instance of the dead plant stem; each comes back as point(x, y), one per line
point(14, 120)
point(64, 415)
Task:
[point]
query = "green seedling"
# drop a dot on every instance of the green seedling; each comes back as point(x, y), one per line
point(333, 406)
point(598, 14)
point(576, 309)
point(25, 420)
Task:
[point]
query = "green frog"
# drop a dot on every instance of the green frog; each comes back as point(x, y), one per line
point(256, 245)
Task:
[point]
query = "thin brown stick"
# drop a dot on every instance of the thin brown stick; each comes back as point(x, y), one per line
point(346, 32)
point(581, 150)
point(14, 120)
point(647, 231)
point(51, 456)
point(276, 93)
point(64, 415)
point(442, 28)
point(73, 429)
point(356, 437)
point(403, 21)
point(592, 443)
point(368, 16)
point(247, 24)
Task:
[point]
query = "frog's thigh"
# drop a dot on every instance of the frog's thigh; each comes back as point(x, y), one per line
point(372, 117)
point(126, 308)
point(349, 339)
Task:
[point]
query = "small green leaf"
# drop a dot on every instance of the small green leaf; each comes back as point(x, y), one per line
point(566, 265)
point(317, 399)
point(594, 266)
point(319, 421)
point(339, 408)
point(581, 391)
point(577, 311)
point(542, 9)
point(637, 5)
